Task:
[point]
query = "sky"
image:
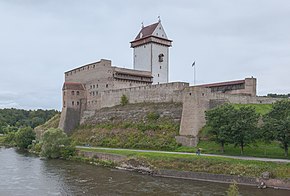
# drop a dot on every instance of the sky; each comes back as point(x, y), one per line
point(228, 40)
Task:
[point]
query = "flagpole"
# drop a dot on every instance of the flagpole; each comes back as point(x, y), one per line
point(194, 73)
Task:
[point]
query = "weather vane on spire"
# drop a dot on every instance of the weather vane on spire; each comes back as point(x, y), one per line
point(142, 24)
point(159, 19)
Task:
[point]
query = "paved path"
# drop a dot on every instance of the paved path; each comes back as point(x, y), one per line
point(188, 153)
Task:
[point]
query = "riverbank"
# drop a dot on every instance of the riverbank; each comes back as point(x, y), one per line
point(190, 166)
point(24, 174)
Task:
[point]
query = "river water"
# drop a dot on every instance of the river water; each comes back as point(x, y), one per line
point(24, 174)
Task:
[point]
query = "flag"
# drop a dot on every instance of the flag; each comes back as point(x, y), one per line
point(193, 64)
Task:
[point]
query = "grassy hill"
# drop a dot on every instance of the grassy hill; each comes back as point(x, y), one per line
point(141, 126)
point(51, 123)
point(260, 108)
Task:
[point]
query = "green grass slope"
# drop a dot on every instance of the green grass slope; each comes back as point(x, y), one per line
point(51, 123)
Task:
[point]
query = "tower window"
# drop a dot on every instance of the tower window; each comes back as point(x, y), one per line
point(160, 56)
point(73, 103)
point(78, 92)
point(160, 66)
point(72, 93)
point(107, 85)
point(158, 75)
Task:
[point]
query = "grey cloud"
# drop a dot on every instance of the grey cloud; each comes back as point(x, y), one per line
point(39, 40)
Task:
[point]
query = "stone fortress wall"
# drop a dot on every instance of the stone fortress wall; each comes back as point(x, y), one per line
point(195, 100)
point(92, 87)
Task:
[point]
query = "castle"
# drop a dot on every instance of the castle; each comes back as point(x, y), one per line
point(97, 85)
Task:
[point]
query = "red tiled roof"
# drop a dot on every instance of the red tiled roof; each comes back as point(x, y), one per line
point(222, 84)
point(147, 31)
point(73, 86)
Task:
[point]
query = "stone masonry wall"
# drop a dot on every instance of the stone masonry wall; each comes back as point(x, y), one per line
point(197, 100)
point(170, 92)
point(133, 113)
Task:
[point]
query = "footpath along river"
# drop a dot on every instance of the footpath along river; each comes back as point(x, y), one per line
point(24, 174)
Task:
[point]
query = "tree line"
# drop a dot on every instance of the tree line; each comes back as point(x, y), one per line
point(13, 119)
point(243, 126)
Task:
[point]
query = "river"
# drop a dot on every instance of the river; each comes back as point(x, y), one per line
point(25, 174)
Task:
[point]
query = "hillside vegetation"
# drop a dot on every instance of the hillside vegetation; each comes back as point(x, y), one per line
point(264, 144)
point(156, 133)
point(51, 123)
point(261, 109)
point(140, 126)
point(13, 119)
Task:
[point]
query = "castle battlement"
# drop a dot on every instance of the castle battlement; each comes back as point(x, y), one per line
point(94, 86)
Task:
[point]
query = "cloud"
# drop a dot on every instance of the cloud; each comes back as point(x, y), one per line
point(40, 40)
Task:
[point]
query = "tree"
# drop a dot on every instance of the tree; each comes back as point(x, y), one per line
point(10, 139)
point(219, 120)
point(56, 144)
point(24, 137)
point(277, 124)
point(244, 129)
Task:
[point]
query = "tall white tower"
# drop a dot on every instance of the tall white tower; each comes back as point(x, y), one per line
point(151, 52)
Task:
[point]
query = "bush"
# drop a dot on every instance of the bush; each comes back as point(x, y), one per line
point(233, 189)
point(10, 139)
point(24, 137)
point(56, 144)
point(152, 116)
point(124, 100)
point(36, 147)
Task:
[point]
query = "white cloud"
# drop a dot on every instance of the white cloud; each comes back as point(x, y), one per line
point(39, 40)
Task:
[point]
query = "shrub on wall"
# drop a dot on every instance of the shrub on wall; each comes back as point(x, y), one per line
point(124, 100)
point(152, 116)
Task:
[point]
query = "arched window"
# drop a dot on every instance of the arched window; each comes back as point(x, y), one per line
point(160, 56)
point(72, 93)
point(78, 92)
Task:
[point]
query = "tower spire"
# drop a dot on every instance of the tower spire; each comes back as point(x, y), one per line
point(159, 19)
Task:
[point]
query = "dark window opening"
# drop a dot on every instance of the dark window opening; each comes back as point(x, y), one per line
point(160, 56)
point(78, 92)
point(72, 93)
point(73, 103)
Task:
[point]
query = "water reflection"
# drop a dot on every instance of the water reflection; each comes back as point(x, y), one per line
point(22, 174)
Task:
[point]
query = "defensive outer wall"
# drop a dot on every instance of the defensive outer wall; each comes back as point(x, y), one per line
point(195, 100)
